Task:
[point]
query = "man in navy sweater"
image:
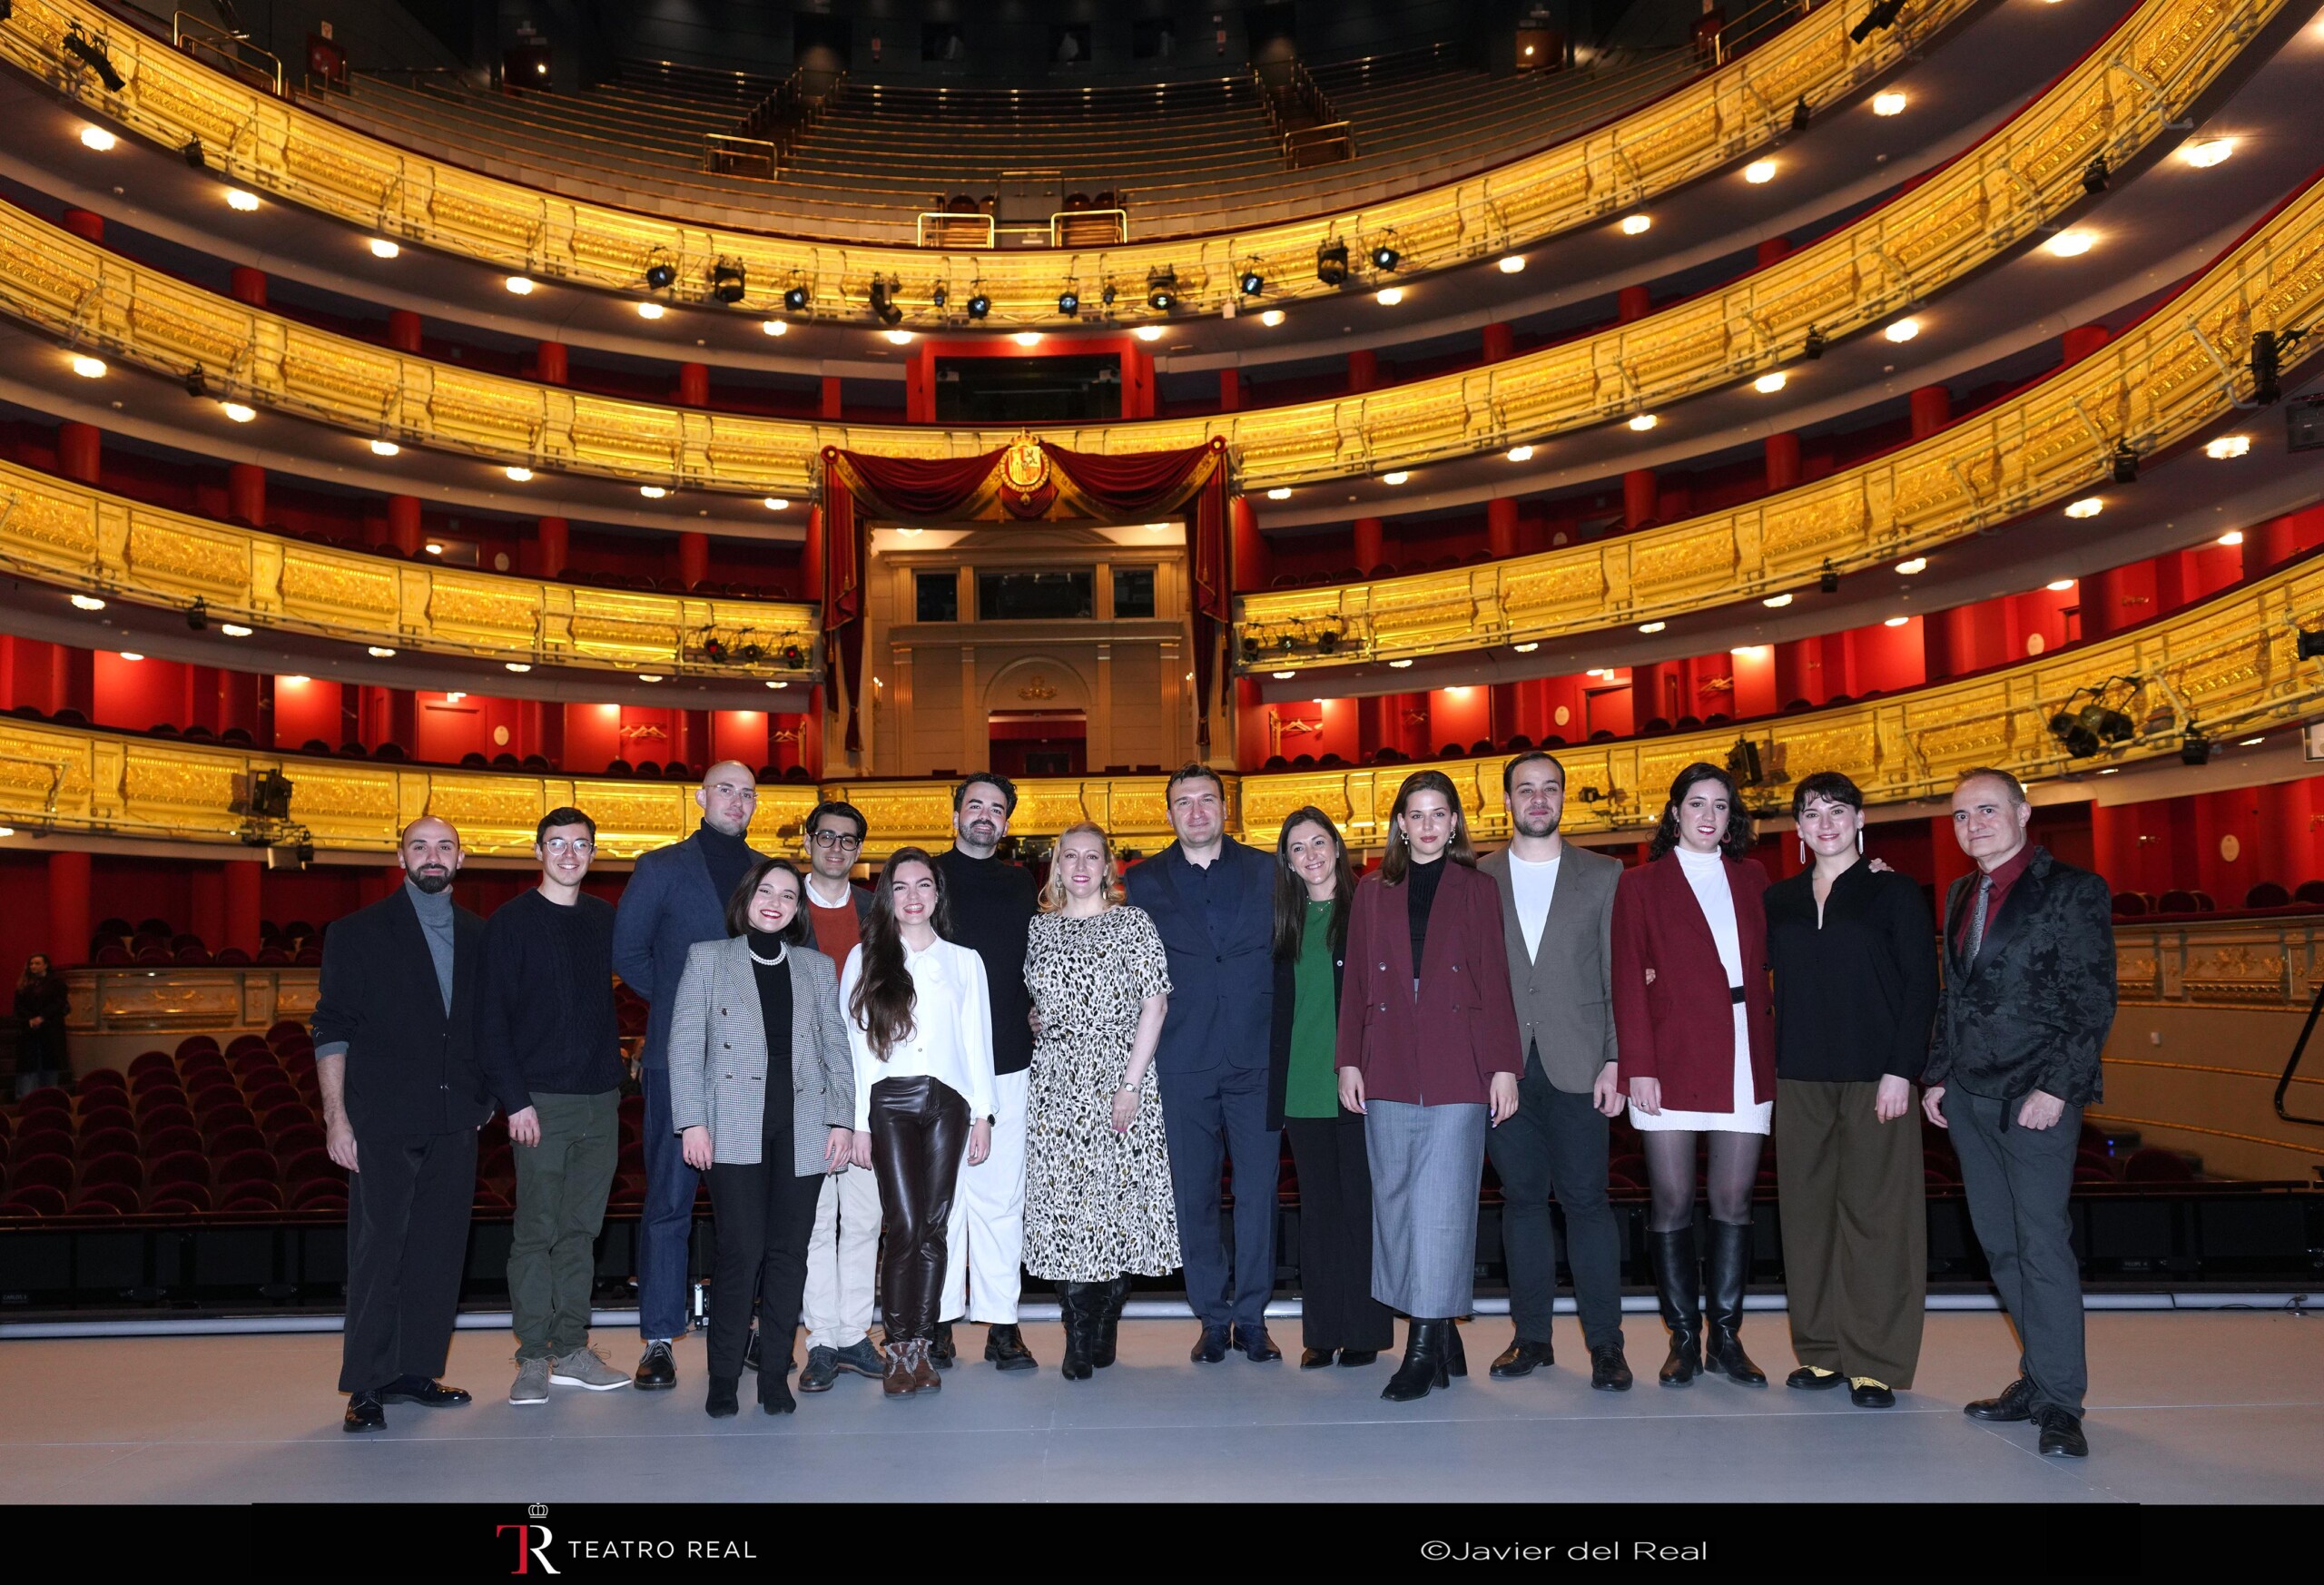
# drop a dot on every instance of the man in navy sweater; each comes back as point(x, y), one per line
point(551, 1048)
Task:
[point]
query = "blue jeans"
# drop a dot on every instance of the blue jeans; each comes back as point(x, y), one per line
point(666, 1228)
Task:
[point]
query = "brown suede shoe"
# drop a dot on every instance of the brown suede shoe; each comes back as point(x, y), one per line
point(897, 1382)
point(924, 1378)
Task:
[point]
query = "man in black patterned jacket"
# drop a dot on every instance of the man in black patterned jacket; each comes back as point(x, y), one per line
point(2029, 996)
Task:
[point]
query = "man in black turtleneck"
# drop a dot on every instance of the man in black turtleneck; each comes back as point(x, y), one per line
point(991, 903)
point(677, 898)
point(403, 1097)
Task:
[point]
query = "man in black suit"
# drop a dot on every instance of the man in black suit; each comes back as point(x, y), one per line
point(2029, 996)
point(403, 1097)
point(1213, 902)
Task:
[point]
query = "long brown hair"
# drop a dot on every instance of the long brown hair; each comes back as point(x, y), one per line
point(1735, 841)
point(883, 1001)
point(1398, 858)
point(1291, 888)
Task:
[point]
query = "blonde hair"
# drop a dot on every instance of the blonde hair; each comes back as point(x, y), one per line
point(1053, 888)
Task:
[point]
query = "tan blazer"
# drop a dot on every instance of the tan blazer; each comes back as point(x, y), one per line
point(718, 1055)
point(1564, 992)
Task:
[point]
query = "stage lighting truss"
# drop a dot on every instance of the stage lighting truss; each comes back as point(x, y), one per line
point(2104, 714)
point(748, 646)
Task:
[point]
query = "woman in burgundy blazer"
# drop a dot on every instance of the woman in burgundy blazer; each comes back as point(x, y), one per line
point(1695, 1024)
point(1428, 1052)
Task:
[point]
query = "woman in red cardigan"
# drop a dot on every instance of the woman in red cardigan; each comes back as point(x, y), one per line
point(1695, 1025)
point(1428, 1052)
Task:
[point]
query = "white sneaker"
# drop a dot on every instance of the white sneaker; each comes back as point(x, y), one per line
point(584, 1367)
point(532, 1382)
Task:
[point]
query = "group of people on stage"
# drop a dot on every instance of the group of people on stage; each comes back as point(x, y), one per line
point(987, 1078)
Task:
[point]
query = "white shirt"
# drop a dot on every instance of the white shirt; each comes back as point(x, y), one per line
point(1706, 873)
point(1532, 886)
point(951, 1036)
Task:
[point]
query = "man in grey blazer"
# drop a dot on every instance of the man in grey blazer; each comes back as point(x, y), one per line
point(1556, 910)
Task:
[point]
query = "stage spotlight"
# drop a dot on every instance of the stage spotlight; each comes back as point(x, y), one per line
point(941, 295)
point(193, 156)
point(1253, 282)
point(2195, 749)
point(794, 300)
point(2267, 363)
point(1801, 115)
point(77, 43)
point(1250, 648)
point(2312, 644)
point(980, 305)
point(1106, 295)
point(197, 383)
point(2094, 176)
point(1331, 262)
point(197, 615)
point(883, 304)
point(1881, 15)
point(1830, 583)
point(1813, 348)
point(1069, 302)
point(1385, 257)
point(1162, 289)
point(2077, 740)
point(728, 281)
point(2124, 463)
point(660, 273)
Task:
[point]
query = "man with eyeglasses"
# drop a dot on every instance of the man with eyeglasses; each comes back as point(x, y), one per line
point(675, 900)
point(843, 1250)
point(551, 1049)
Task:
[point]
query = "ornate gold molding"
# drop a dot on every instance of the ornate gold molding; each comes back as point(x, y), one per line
point(1970, 211)
point(2170, 374)
point(80, 538)
point(278, 148)
point(2231, 660)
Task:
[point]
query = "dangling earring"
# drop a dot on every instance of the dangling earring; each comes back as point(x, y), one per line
point(1859, 841)
point(1803, 851)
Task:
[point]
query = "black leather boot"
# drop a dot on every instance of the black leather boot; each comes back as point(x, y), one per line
point(1109, 1299)
point(1677, 1287)
point(1727, 1269)
point(1424, 1362)
point(1456, 1358)
point(1077, 1306)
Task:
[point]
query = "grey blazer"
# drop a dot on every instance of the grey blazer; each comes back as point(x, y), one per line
point(1564, 993)
point(718, 1055)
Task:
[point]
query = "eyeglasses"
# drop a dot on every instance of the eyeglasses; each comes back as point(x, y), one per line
point(558, 846)
point(832, 839)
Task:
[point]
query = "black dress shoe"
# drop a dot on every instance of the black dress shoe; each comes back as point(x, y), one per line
point(1255, 1344)
point(1809, 1380)
point(2062, 1436)
point(1211, 1347)
point(1004, 1346)
point(419, 1390)
point(2015, 1403)
point(822, 1369)
point(1866, 1394)
point(655, 1369)
point(1354, 1357)
point(1523, 1357)
point(364, 1413)
point(1314, 1359)
point(1609, 1371)
point(725, 1399)
point(941, 1351)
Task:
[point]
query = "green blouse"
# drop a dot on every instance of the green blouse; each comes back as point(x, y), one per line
point(1312, 1089)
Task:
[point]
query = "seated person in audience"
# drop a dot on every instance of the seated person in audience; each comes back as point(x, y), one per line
point(551, 1051)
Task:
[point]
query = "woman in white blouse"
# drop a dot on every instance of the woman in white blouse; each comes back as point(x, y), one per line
point(921, 1026)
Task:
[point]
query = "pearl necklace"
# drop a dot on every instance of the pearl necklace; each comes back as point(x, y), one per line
point(781, 954)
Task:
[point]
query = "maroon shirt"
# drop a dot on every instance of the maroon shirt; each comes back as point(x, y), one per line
point(2004, 878)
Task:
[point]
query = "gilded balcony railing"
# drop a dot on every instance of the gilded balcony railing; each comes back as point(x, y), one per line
point(2183, 367)
point(2228, 665)
point(85, 541)
point(2018, 179)
point(271, 145)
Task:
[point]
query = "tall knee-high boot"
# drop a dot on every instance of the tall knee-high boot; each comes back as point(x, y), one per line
point(1677, 1285)
point(1110, 1298)
point(1727, 1268)
point(1424, 1362)
point(1076, 1305)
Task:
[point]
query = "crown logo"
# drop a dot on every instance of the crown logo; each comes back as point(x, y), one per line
point(538, 1510)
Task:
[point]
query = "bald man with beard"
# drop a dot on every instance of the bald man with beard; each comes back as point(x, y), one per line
point(676, 900)
point(403, 1097)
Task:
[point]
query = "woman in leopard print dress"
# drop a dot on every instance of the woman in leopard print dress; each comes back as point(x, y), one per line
point(1098, 1202)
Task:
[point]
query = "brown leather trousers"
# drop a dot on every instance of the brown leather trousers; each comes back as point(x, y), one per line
point(919, 1131)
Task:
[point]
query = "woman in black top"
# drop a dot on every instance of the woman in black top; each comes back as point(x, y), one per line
point(1855, 960)
point(40, 1014)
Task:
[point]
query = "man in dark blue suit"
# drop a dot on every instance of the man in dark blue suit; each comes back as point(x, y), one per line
point(677, 898)
point(1213, 902)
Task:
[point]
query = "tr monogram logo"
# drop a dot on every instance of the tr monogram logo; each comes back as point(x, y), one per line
point(533, 1541)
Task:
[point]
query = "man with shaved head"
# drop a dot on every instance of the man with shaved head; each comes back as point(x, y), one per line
point(675, 900)
point(403, 1097)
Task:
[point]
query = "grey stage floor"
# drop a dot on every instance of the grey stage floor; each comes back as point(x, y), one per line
point(2186, 1408)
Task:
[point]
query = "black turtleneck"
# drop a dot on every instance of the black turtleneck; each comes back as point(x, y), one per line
point(774, 1012)
point(1420, 881)
point(729, 859)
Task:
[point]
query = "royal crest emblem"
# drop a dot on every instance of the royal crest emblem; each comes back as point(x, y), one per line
point(1025, 466)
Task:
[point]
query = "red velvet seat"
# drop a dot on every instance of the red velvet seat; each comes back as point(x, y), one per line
point(99, 1081)
point(297, 1137)
point(33, 1200)
point(43, 1171)
point(306, 1166)
point(245, 1165)
point(103, 1198)
point(48, 1098)
point(171, 1141)
point(97, 1142)
point(234, 1136)
point(179, 1199)
point(2152, 1164)
point(180, 1167)
point(251, 1196)
point(319, 1193)
point(44, 1140)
